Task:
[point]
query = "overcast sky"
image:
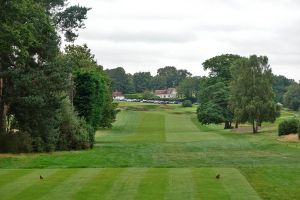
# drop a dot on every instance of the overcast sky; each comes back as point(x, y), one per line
point(144, 35)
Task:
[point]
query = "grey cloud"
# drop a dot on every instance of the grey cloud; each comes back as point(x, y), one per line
point(137, 34)
point(143, 36)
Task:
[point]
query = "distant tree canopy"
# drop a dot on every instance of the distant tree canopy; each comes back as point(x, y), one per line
point(219, 66)
point(121, 81)
point(170, 77)
point(189, 88)
point(252, 96)
point(214, 91)
point(292, 97)
point(280, 87)
point(141, 81)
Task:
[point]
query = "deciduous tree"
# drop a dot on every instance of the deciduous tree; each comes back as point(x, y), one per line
point(251, 91)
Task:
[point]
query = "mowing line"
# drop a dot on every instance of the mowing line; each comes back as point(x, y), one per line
point(70, 186)
point(237, 185)
point(207, 186)
point(153, 185)
point(9, 191)
point(11, 175)
point(99, 186)
point(151, 129)
point(126, 186)
point(180, 185)
point(43, 187)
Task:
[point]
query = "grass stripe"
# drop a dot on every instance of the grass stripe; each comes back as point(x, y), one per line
point(153, 185)
point(99, 186)
point(41, 188)
point(69, 187)
point(181, 128)
point(126, 186)
point(208, 186)
point(151, 129)
point(237, 185)
point(11, 175)
point(11, 190)
point(180, 185)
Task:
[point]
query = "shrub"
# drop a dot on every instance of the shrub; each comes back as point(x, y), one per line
point(15, 143)
point(187, 103)
point(299, 132)
point(288, 126)
point(75, 132)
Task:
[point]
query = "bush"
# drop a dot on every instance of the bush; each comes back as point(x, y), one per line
point(75, 133)
point(288, 126)
point(187, 103)
point(15, 143)
point(299, 132)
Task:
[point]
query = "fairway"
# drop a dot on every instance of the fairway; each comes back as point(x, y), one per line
point(160, 152)
point(128, 183)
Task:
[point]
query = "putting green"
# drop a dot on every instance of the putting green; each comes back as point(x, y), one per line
point(126, 183)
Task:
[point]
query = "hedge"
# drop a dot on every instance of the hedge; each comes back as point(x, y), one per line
point(289, 126)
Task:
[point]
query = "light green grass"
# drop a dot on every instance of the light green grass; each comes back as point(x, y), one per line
point(161, 152)
point(130, 183)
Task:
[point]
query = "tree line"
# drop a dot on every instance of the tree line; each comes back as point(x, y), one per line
point(166, 77)
point(49, 99)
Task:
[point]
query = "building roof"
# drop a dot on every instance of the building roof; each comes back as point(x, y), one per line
point(117, 94)
point(165, 92)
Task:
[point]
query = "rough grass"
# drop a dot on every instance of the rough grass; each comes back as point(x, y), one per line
point(161, 153)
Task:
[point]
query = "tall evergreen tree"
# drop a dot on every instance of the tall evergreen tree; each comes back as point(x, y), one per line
point(31, 78)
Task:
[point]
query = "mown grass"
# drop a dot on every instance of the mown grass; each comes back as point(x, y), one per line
point(127, 183)
point(161, 152)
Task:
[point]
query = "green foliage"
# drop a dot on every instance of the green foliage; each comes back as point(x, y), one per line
point(214, 98)
point(142, 81)
point(219, 66)
point(121, 81)
point(187, 103)
point(33, 75)
point(91, 92)
point(213, 103)
point(74, 132)
point(134, 96)
point(280, 87)
point(288, 127)
point(15, 142)
point(252, 97)
point(292, 97)
point(189, 88)
point(169, 77)
point(71, 19)
point(214, 91)
point(89, 96)
point(149, 95)
point(299, 132)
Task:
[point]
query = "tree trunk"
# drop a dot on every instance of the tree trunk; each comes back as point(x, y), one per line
point(255, 126)
point(3, 115)
point(3, 108)
point(236, 125)
point(227, 125)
